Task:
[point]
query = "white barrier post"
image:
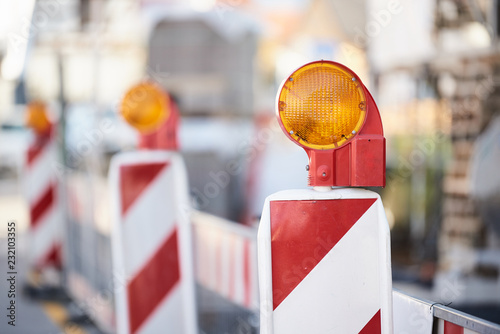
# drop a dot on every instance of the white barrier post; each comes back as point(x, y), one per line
point(324, 254)
point(151, 238)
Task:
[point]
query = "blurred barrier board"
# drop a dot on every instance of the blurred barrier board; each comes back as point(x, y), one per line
point(324, 263)
point(226, 259)
point(87, 261)
point(43, 192)
point(151, 243)
point(225, 262)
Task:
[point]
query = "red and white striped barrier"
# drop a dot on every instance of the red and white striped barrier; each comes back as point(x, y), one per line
point(46, 208)
point(324, 263)
point(226, 259)
point(151, 243)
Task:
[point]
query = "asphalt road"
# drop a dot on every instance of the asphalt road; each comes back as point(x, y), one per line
point(30, 316)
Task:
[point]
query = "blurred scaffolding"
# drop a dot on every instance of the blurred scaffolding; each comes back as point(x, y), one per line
point(434, 66)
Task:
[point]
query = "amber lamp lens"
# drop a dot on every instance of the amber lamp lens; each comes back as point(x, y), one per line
point(145, 107)
point(322, 105)
point(36, 117)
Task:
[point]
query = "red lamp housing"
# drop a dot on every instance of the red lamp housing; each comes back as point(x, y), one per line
point(324, 107)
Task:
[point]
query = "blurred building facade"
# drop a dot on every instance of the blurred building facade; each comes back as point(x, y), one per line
point(435, 65)
point(467, 83)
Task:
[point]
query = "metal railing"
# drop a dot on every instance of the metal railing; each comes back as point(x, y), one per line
point(423, 315)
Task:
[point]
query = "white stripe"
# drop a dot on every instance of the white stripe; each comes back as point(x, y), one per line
point(201, 246)
point(254, 278)
point(203, 260)
point(197, 254)
point(225, 264)
point(441, 328)
point(212, 259)
point(239, 278)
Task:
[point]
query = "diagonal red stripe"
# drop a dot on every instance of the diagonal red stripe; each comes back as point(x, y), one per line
point(154, 282)
point(374, 326)
point(219, 264)
point(134, 179)
point(232, 266)
point(52, 257)
point(35, 150)
point(451, 328)
point(303, 232)
point(42, 205)
point(247, 273)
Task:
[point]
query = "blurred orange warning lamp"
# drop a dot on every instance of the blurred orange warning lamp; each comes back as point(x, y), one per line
point(145, 107)
point(37, 118)
point(149, 109)
point(324, 107)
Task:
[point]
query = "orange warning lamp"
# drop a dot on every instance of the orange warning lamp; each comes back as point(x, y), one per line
point(37, 119)
point(324, 107)
point(146, 107)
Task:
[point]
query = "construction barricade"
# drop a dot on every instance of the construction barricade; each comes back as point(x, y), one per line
point(151, 243)
point(151, 237)
point(45, 204)
point(324, 253)
point(44, 197)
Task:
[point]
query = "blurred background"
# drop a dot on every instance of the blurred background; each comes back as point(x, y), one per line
point(433, 67)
